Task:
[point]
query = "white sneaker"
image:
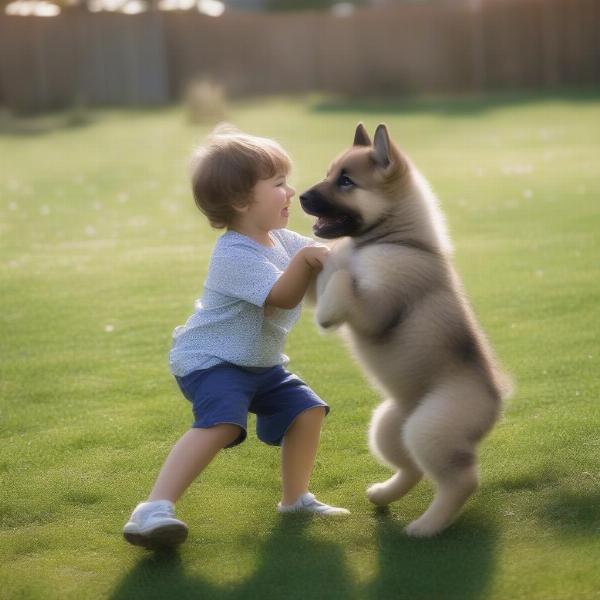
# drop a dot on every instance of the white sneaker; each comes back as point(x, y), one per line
point(153, 524)
point(308, 503)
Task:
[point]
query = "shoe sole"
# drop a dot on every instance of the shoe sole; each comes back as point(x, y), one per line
point(161, 537)
point(312, 512)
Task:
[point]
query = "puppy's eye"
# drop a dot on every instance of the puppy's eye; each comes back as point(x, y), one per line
point(345, 182)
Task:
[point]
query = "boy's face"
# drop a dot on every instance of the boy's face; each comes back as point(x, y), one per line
point(269, 208)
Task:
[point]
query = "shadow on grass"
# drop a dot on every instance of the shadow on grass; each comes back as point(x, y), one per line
point(294, 565)
point(452, 106)
point(456, 565)
point(573, 513)
point(291, 565)
point(13, 125)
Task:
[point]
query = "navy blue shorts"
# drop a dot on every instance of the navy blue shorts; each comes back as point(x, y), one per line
point(226, 393)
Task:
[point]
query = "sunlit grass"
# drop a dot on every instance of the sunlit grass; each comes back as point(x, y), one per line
point(103, 254)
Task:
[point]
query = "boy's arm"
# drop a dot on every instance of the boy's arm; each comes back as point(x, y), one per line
point(290, 288)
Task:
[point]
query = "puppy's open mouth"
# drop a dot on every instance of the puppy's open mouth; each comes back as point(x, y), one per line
point(331, 223)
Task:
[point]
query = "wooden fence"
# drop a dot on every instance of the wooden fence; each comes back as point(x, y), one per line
point(146, 59)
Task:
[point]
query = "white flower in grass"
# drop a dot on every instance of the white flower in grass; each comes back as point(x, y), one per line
point(528, 193)
point(89, 230)
point(519, 169)
point(138, 221)
point(122, 197)
point(13, 206)
point(44, 209)
point(109, 328)
point(170, 206)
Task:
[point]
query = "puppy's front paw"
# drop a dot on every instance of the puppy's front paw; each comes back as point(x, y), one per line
point(331, 306)
point(326, 322)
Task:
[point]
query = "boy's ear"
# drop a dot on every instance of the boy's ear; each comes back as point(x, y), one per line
point(241, 205)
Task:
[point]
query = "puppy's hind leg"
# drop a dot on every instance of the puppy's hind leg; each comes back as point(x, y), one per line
point(385, 441)
point(441, 435)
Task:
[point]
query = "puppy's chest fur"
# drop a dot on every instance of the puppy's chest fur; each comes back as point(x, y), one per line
point(389, 281)
point(396, 272)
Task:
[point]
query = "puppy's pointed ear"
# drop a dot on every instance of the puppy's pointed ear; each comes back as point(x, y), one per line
point(381, 147)
point(361, 137)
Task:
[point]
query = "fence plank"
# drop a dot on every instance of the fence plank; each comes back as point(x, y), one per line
point(456, 45)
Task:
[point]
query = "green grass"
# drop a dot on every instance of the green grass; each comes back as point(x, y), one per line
point(102, 254)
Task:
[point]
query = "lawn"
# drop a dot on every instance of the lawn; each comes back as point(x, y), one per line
point(102, 254)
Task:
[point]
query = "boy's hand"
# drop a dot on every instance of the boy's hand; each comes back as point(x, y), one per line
point(316, 255)
point(291, 286)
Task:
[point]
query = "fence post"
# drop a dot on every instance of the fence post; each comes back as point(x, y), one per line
point(478, 74)
point(550, 54)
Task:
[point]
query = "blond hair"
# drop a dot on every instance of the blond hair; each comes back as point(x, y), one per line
point(225, 169)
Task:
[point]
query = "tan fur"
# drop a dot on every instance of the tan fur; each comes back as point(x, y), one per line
point(392, 289)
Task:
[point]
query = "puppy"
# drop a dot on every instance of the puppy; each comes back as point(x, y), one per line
point(390, 285)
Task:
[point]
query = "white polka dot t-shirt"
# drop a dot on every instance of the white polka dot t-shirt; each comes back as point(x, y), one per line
point(230, 324)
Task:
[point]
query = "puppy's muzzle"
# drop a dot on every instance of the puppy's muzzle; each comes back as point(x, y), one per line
point(313, 203)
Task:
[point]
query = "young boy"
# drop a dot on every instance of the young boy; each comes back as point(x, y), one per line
point(228, 358)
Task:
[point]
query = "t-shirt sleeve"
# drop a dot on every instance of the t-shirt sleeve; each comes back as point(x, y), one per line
point(294, 242)
point(242, 274)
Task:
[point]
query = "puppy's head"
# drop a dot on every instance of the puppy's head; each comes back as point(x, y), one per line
point(360, 186)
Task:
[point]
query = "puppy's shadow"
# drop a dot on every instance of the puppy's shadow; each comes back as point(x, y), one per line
point(291, 564)
point(457, 564)
point(572, 513)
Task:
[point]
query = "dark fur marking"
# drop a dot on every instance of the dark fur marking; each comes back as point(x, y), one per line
point(461, 459)
point(415, 244)
point(386, 331)
point(467, 348)
point(373, 226)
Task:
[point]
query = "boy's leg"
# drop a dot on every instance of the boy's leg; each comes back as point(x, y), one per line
point(290, 414)
point(189, 457)
point(298, 453)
